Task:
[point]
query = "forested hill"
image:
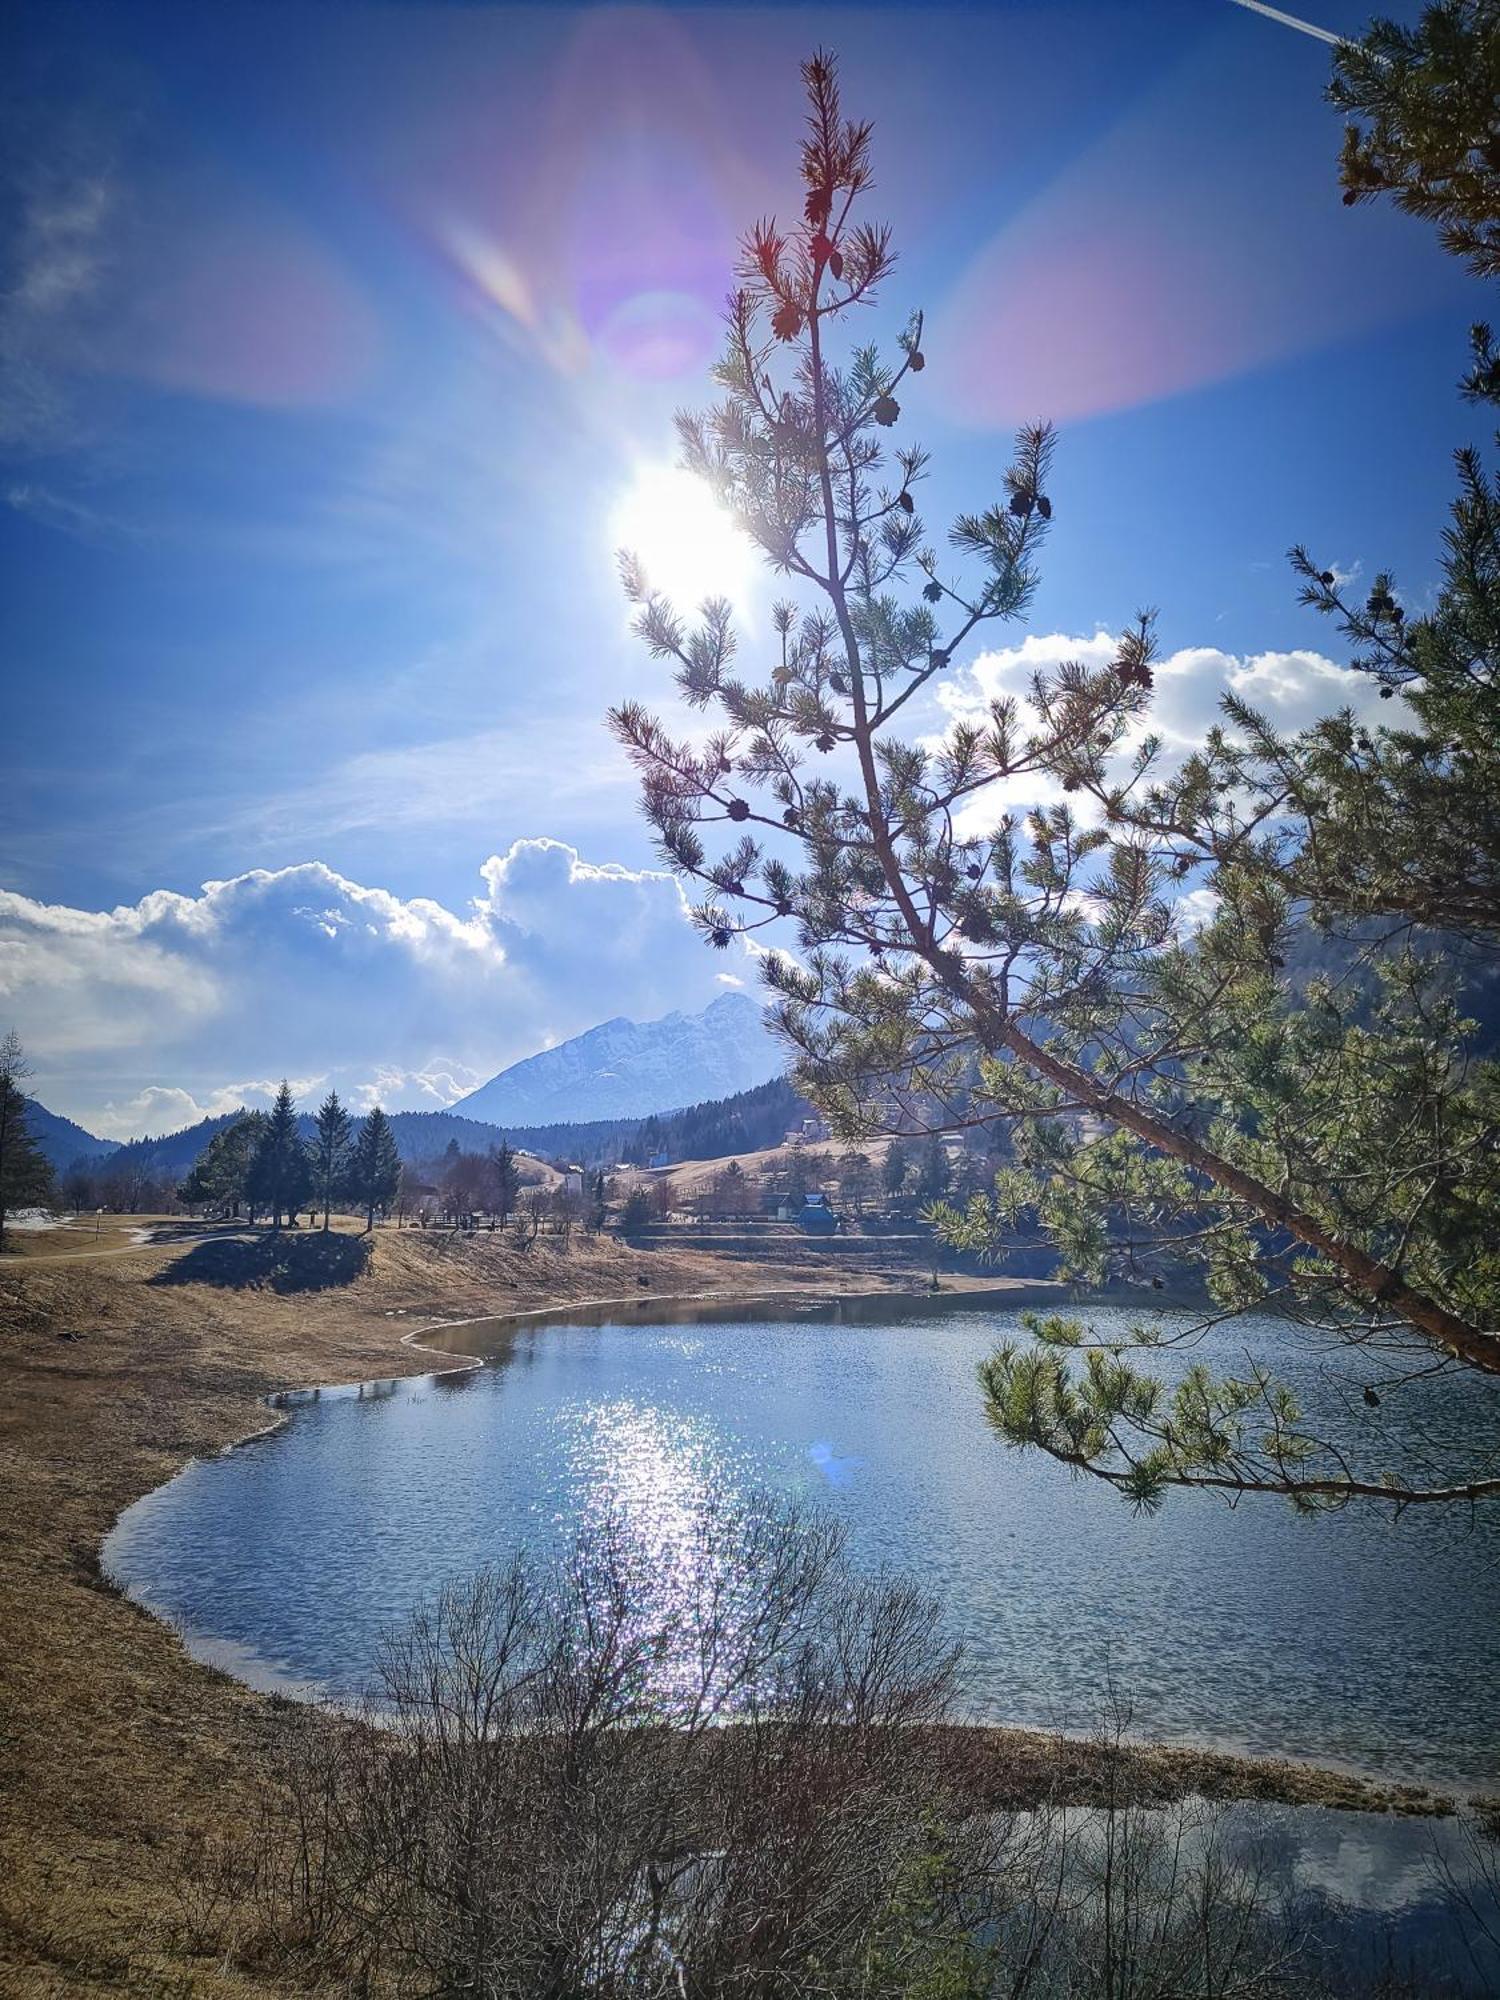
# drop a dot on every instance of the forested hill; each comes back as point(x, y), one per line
point(740, 1124)
point(61, 1140)
point(420, 1135)
point(743, 1123)
point(1475, 971)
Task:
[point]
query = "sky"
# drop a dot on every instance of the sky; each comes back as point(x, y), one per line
point(339, 346)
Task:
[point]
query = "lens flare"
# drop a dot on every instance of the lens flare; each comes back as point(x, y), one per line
point(687, 544)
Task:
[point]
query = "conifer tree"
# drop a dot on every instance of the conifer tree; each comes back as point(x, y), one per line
point(1422, 122)
point(934, 1175)
point(331, 1147)
point(505, 1181)
point(220, 1176)
point(894, 1169)
point(1039, 974)
point(25, 1173)
point(635, 1212)
point(280, 1177)
point(375, 1171)
point(1397, 824)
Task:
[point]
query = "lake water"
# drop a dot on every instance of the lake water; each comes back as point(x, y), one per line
point(1352, 1638)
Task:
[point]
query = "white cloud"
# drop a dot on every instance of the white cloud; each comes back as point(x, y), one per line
point(1293, 689)
point(157, 1109)
point(159, 1008)
point(1196, 909)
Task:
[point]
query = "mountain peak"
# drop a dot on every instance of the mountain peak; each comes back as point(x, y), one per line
point(628, 1069)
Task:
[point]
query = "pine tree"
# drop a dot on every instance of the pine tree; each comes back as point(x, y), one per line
point(25, 1173)
point(893, 1172)
point(505, 1182)
point(1422, 122)
point(280, 1176)
point(635, 1215)
point(934, 1174)
point(375, 1171)
point(1041, 974)
point(330, 1151)
point(220, 1176)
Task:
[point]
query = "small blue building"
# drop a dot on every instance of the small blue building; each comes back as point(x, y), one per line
point(816, 1216)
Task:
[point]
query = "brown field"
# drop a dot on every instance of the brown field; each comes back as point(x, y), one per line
point(117, 1753)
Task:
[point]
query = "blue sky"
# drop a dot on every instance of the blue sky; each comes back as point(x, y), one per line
point(337, 340)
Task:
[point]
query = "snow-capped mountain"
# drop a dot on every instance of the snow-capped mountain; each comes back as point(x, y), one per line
point(627, 1069)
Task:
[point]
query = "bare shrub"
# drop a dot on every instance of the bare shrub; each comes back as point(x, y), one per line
point(704, 1761)
point(542, 1796)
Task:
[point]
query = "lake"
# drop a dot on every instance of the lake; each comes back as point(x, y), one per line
point(1352, 1639)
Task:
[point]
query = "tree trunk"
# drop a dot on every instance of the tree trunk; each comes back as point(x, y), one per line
point(1377, 1281)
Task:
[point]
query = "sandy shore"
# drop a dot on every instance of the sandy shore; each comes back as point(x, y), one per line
point(117, 1752)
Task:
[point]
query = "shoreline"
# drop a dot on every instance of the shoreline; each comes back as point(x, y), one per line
point(1173, 1767)
point(123, 1754)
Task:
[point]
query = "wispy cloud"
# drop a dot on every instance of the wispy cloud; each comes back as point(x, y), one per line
point(517, 772)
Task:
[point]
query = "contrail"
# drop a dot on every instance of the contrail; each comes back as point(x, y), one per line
point(1291, 21)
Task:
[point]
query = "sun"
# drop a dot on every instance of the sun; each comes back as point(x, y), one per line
point(687, 544)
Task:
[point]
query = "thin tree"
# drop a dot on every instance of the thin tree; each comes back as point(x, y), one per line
point(280, 1176)
point(331, 1147)
point(505, 1181)
point(25, 1172)
point(375, 1171)
point(1044, 963)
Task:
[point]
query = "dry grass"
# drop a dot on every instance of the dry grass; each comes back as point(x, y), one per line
point(119, 1756)
point(87, 1235)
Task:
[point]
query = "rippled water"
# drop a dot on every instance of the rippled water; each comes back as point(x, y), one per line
point(1349, 1638)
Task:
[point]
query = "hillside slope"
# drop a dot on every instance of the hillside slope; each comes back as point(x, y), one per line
point(61, 1140)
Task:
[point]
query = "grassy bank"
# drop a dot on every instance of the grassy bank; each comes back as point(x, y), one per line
point(118, 1753)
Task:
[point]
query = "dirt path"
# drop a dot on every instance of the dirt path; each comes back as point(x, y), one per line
point(47, 1260)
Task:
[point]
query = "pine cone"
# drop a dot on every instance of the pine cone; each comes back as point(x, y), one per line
point(786, 321)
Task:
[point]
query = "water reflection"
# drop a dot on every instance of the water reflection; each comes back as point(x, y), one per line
point(1351, 1639)
point(836, 1469)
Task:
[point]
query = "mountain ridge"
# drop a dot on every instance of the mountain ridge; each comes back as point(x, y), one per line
point(62, 1139)
point(632, 1069)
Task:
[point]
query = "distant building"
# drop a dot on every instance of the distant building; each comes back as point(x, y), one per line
point(810, 1132)
point(817, 1215)
point(814, 1212)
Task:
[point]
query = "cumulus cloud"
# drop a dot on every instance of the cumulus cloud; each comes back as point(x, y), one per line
point(166, 1108)
point(153, 1014)
point(157, 1109)
point(1293, 690)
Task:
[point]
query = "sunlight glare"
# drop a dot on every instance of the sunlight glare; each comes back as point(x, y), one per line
point(688, 545)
